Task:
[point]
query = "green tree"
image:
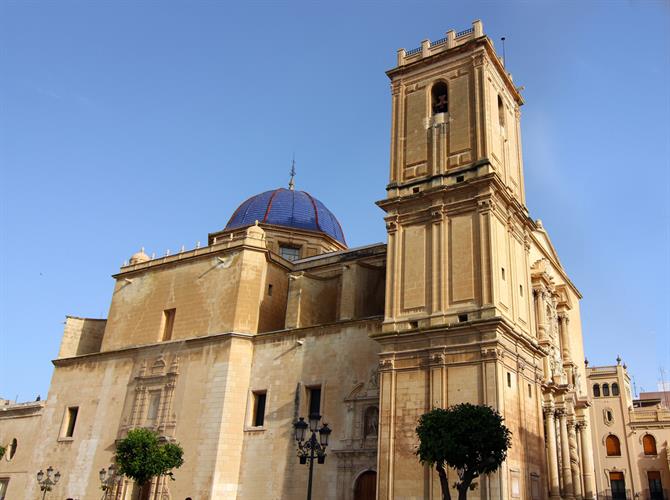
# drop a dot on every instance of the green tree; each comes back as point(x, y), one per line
point(471, 439)
point(141, 456)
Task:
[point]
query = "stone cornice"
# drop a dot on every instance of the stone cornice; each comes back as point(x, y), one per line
point(214, 338)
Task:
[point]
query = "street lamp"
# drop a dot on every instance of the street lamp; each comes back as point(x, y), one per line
point(311, 448)
point(47, 481)
point(107, 479)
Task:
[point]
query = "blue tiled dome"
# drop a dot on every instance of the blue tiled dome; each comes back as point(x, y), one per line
point(285, 207)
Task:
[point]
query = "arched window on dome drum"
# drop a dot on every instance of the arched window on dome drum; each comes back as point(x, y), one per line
point(613, 446)
point(615, 389)
point(606, 389)
point(440, 98)
point(649, 444)
point(596, 391)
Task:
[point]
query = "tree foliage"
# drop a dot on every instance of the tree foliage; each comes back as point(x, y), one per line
point(141, 456)
point(469, 438)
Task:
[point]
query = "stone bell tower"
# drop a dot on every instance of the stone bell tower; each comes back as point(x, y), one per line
point(458, 324)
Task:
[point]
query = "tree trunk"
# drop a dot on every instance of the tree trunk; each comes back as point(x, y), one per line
point(463, 491)
point(444, 481)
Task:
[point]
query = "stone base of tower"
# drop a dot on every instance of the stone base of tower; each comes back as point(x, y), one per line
point(480, 362)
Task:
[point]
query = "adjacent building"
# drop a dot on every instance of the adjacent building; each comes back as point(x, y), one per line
point(630, 436)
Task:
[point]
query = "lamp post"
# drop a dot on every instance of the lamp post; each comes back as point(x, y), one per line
point(47, 481)
point(107, 479)
point(311, 448)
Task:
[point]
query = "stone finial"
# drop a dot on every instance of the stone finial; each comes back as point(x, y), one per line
point(139, 257)
point(586, 362)
point(401, 57)
point(618, 360)
point(425, 48)
point(478, 28)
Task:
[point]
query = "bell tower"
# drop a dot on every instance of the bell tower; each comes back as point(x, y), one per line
point(455, 158)
point(458, 325)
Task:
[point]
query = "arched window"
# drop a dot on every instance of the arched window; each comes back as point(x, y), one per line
point(596, 391)
point(613, 446)
point(501, 112)
point(440, 98)
point(649, 444)
point(606, 389)
point(615, 389)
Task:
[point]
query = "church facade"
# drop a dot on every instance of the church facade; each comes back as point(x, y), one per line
point(222, 347)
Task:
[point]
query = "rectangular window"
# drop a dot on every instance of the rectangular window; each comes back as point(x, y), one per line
point(289, 252)
point(3, 488)
point(502, 269)
point(259, 409)
point(618, 486)
point(70, 421)
point(521, 290)
point(168, 323)
point(509, 379)
point(270, 290)
point(314, 400)
point(530, 391)
point(152, 408)
point(655, 486)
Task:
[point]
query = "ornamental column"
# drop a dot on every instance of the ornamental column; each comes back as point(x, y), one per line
point(568, 491)
point(574, 460)
point(538, 294)
point(587, 462)
point(550, 429)
point(563, 331)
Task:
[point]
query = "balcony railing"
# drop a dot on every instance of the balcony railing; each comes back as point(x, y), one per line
point(627, 495)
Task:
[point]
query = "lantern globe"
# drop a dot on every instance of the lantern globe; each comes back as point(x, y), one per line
point(314, 421)
point(300, 427)
point(324, 434)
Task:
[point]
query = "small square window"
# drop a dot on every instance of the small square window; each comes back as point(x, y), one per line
point(462, 318)
point(460, 178)
point(70, 421)
point(289, 252)
point(258, 417)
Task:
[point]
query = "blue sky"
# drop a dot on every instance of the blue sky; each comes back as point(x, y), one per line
point(129, 124)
